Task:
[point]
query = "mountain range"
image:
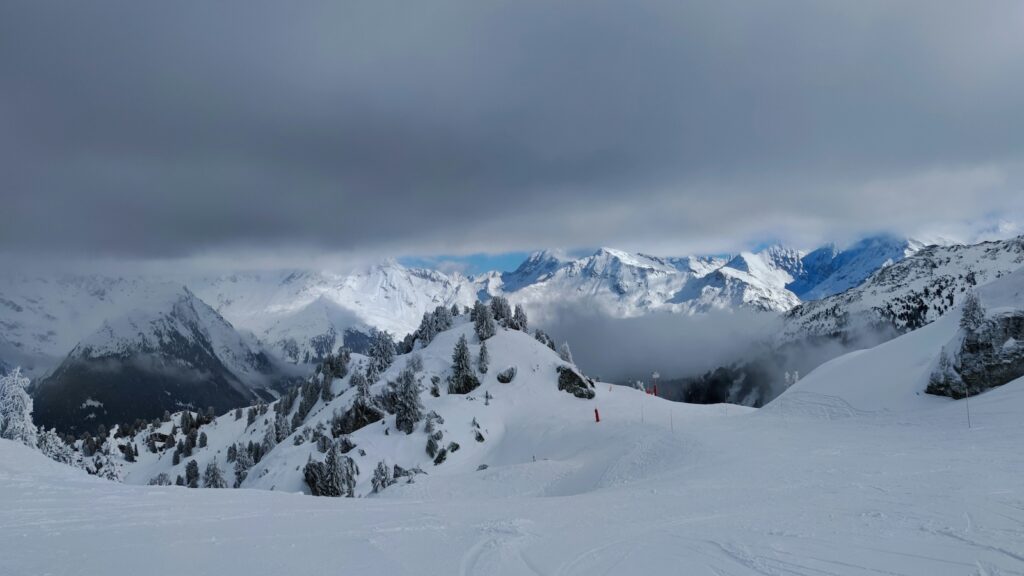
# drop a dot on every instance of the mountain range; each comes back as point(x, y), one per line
point(246, 330)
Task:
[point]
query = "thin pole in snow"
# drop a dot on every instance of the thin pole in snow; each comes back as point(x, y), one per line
point(967, 401)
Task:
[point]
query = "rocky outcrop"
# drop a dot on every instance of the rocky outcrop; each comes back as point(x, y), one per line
point(986, 358)
point(571, 381)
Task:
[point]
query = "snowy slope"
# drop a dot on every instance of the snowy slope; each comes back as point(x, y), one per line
point(850, 472)
point(894, 375)
point(907, 294)
point(517, 422)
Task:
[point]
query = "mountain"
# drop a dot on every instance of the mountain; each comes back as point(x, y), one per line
point(298, 315)
point(828, 271)
point(849, 472)
point(172, 352)
point(494, 424)
point(42, 318)
point(907, 294)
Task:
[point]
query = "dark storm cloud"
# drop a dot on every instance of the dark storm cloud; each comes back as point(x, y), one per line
point(167, 129)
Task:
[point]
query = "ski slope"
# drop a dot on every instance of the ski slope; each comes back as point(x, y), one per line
point(709, 491)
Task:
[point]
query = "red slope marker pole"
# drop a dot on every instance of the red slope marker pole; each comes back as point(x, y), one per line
point(597, 415)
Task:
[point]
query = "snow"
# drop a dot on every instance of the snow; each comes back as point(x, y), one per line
point(853, 470)
point(920, 289)
point(43, 318)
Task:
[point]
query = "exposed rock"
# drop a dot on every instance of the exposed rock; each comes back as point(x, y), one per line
point(986, 358)
point(571, 381)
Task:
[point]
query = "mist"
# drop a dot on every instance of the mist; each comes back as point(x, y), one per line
point(675, 345)
point(719, 356)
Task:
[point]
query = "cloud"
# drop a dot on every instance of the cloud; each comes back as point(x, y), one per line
point(675, 345)
point(159, 131)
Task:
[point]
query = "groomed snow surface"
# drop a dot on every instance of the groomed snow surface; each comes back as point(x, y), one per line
point(818, 484)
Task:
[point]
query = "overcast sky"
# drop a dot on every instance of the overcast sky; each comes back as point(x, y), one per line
point(156, 130)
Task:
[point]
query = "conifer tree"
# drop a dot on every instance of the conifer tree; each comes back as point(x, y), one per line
point(212, 477)
point(483, 321)
point(972, 315)
point(519, 320)
point(243, 462)
point(565, 353)
point(462, 379)
point(192, 474)
point(382, 477)
point(484, 360)
point(381, 351)
point(408, 408)
point(16, 409)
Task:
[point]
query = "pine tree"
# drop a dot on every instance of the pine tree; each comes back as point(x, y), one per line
point(382, 477)
point(462, 379)
point(544, 339)
point(16, 409)
point(192, 474)
point(212, 477)
point(519, 320)
point(243, 462)
point(54, 447)
point(484, 360)
point(335, 476)
point(483, 321)
point(203, 440)
point(565, 353)
point(501, 311)
point(972, 314)
point(381, 351)
point(408, 408)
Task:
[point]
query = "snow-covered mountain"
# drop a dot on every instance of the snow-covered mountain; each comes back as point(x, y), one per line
point(171, 351)
point(467, 430)
point(298, 315)
point(908, 294)
point(800, 486)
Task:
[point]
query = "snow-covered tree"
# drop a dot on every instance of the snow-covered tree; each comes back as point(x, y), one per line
point(484, 360)
point(192, 474)
point(483, 321)
point(243, 462)
point(381, 350)
point(565, 353)
point(544, 339)
point(408, 408)
point(462, 380)
point(382, 477)
point(501, 311)
point(519, 320)
point(203, 440)
point(335, 476)
point(51, 445)
point(212, 477)
point(364, 410)
point(972, 314)
point(16, 409)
